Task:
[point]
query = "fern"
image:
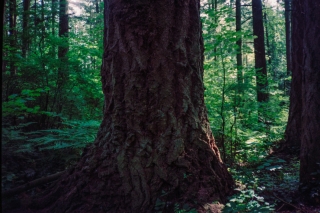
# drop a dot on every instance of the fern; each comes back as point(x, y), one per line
point(75, 134)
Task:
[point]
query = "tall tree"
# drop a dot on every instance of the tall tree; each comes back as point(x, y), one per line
point(154, 143)
point(259, 54)
point(63, 28)
point(25, 27)
point(62, 54)
point(287, 13)
point(53, 31)
point(3, 5)
point(293, 130)
point(239, 44)
point(310, 97)
point(12, 33)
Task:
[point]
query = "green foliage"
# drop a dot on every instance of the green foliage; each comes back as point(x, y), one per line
point(260, 185)
point(242, 134)
point(247, 201)
point(43, 108)
point(22, 104)
point(184, 209)
point(75, 134)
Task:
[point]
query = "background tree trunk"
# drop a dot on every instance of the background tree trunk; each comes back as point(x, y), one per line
point(62, 54)
point(3, 65)
point(293, 130)
point(260, 56)
point(154, 146)
point(239, 44)
point(13, 33)
point(310, 120)
point(25, 26)
point(287, 6)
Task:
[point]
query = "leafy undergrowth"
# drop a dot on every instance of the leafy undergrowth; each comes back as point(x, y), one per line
point(30, 155)
point(269, 186)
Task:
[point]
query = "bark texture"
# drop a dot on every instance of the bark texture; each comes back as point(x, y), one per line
point(154, 146)
point(310, 134)
point(293, 130)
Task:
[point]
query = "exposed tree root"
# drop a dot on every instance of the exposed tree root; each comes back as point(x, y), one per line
point(31, 184)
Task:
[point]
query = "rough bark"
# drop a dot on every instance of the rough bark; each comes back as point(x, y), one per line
point(310, 120)
point(259, 55)
point(293, 130)
point(154, 146)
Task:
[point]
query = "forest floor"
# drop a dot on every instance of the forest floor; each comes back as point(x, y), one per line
point(269, 186)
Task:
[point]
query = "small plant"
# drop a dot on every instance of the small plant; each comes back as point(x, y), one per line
point(247, 201)
point(184, 209)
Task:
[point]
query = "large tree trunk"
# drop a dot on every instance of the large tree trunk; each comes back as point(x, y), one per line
point(154, 145)
point(310, 120)
point(293, 130)
point(260, 57)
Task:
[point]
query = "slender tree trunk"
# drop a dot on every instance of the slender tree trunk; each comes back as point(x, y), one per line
point(97, 6)
point(222, 109)
point(25, 27)
point(12, 33)
point(53, 31)
point(239, 93)
point(288, 44)
point(239, 44)
point(310, 120)
point(43, 29)
point(260, 56)
point(265, 19)
point(288, 35)
point(62, 54)
point(3, 8)
point(63, 28)
point(293, 130)
point(154, 146)
point(214, 4)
